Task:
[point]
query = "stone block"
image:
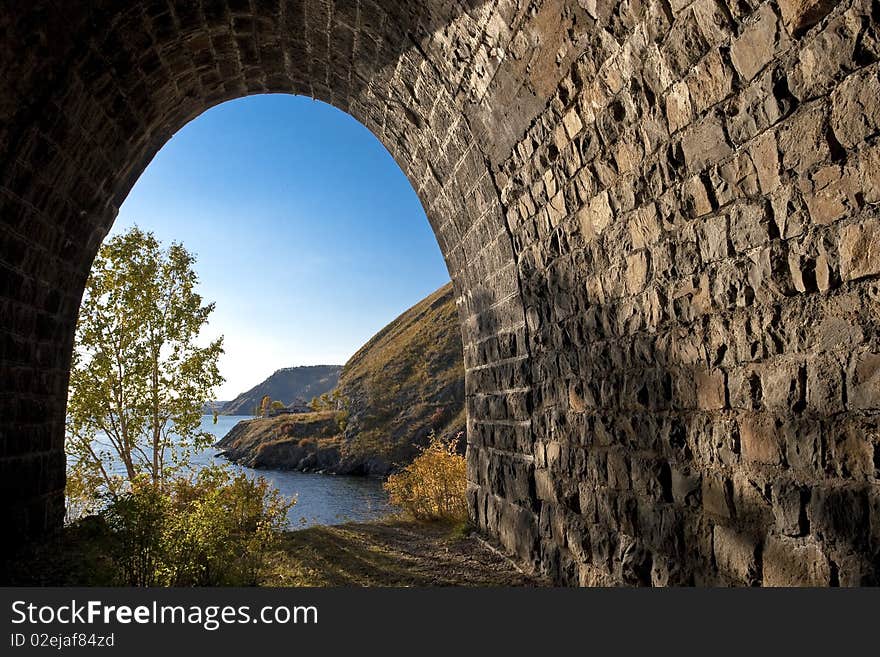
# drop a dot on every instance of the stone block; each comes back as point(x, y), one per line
point(710, 82)
point(595, 216)
point(712, 239)
point(830, 193)
point(851, 449)
point(825, 379)
point(636, 272)
point(859, 247)
point(855, 107)
point(869, 173)
point(864, 382)
point(544, 488)
point(679, 111)
point(748, 227)
point(765, 157)
point(839, 515)
point(801, 15)
point(686, 486)
point(760, 440)
point(803, 446)
point(711, 388)
point(573, 124)
point(803, 142)
point(736, 555)
point(828, 56)
point(789, 508)
point(782, 385)
point(794, 562)
point(757, 44)
point(716, 495)
point(734, 179)
point(704, 144)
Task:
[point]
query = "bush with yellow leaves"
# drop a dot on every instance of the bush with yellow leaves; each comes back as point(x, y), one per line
point(433, 486)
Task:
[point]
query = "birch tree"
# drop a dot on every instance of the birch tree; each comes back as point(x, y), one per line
point(139, 377)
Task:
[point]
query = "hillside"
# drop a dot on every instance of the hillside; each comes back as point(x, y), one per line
point(405, 382)
point(286, 385)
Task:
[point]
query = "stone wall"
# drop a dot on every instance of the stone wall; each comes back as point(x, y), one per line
point(695, 221)
point(660, 218)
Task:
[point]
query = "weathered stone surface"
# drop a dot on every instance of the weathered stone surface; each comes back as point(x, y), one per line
point(716, 496)
point(765, 156)
point(711, 389)
point(736, 555)
point(759, 440)
point(789, 508)
point(660, 220)
point(800, 15)
point(705, 144)
point(710, 82)
point(864, 382)
point(794, 562)
point(860, 250)
point(757, 45)
point(855, 114)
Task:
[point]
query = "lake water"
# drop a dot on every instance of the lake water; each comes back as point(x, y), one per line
point(322, 499)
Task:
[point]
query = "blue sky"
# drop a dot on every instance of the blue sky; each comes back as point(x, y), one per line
point(308, 236)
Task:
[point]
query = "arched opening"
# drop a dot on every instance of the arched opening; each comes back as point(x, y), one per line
point(310, 241)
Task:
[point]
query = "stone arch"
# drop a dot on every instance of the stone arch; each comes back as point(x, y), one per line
point(660, 216)
point(105, 85)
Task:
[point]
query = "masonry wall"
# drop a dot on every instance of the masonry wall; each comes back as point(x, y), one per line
point(660, 218)
point(695, 220)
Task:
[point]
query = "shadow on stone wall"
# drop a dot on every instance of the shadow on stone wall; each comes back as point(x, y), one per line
point(658, 461)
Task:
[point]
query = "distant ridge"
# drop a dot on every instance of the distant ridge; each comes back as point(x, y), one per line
point(286, 385)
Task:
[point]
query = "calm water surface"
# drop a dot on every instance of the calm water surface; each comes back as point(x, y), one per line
point(322, 499)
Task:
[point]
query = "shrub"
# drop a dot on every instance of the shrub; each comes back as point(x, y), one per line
point(433, 486)
point(136, 520)
point(213, 529)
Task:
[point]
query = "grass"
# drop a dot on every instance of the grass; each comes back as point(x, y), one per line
point(391, 552)
point(388, 552)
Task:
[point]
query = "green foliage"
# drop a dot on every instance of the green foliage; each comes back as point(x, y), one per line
point(332, 401)
point(138, 376)
point(213, 529)
point(433, 486)
point(277, 405)
point(82, 492)
point(139, 381)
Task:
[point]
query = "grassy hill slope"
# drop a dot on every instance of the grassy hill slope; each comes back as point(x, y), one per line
point(407, 380)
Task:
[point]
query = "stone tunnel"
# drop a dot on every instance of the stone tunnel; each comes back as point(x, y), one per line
point(660, 217)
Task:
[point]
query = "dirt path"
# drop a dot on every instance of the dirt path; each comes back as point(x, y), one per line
point(391, 553)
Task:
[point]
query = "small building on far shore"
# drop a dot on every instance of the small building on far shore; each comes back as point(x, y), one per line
point(297, 406)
